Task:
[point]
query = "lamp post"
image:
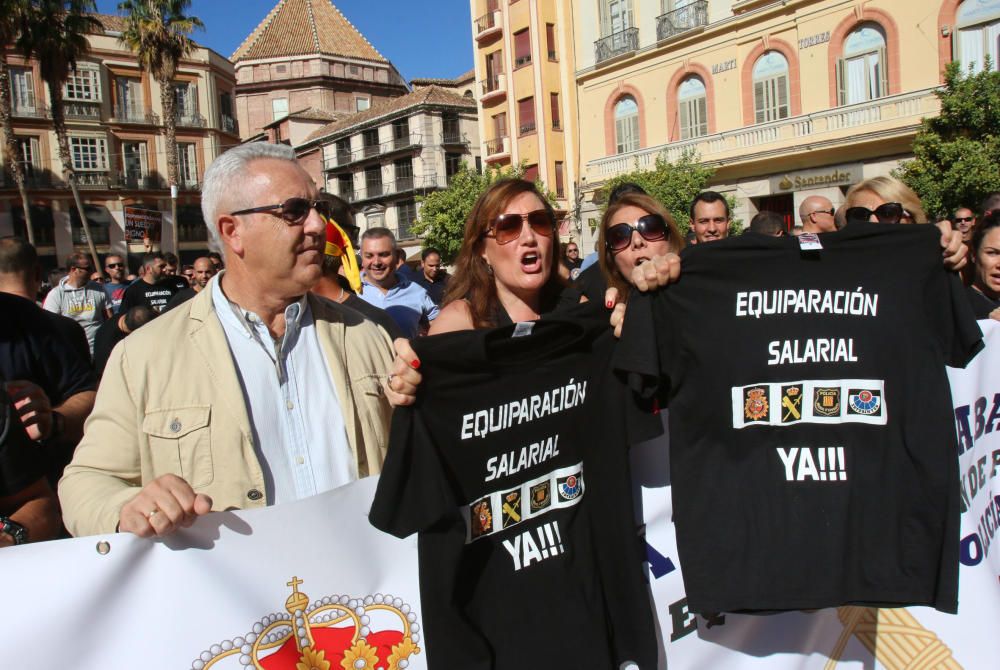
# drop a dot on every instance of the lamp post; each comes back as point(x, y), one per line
point(173, 220)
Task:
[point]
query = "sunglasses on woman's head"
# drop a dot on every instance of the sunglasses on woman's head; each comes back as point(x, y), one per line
point(889, 212)
point(651, 227)
point(293, 211)
point(507, 227)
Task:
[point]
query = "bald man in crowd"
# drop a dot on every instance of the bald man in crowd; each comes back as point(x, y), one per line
point(817, 215)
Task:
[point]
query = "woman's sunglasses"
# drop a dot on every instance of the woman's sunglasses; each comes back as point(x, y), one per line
point(507, 227)
point(294, 210)
point(652, 227)
point(890, 212)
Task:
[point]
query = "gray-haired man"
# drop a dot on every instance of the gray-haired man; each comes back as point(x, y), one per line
point(292, 402)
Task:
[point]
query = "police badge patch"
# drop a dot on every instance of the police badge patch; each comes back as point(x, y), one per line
point(510, 512)
point(570, 487)
point(540, 496)
point(826, 401)
point(791, 403)
point(864, 401)
point(755, 407)
point(481, 518)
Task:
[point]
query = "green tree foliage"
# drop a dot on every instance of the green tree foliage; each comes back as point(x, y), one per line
point(957, 154)
point(441, 221)
point(673, 184)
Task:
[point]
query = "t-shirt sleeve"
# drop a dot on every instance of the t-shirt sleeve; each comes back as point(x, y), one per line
point(413, 492)
point(637, 355)
point(430, 308)
point(52, 300)
point(67, 361)
point(955, 323)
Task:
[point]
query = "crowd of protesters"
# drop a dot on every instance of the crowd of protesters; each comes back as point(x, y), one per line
point(280, 341)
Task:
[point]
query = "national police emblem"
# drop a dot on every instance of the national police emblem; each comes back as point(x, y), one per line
point(755, 407)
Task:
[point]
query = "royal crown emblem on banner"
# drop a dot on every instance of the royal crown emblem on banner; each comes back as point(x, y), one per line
point(337, 632)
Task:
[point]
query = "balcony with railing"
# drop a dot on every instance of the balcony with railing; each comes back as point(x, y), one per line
point(402, 186)
point(897, 114)
point(452, 136)
point(137, 181)
point(82, 111)
point(487, 25)
point(341, 159)
point(135, 114)
point(497, 148)
point(189, 119)
point(92, 180)
point(616, 44)
point(189, 184)
point(228, 124)
point(30, 111)
point(493, 88)
point(681, 20)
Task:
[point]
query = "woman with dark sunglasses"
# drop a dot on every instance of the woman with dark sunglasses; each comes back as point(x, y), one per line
point(635, 229)
point(505, 271)
point(888, 200)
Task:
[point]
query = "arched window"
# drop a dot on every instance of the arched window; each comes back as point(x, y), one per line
point(692, 105)
point(861, 72)
point(770, 88)
point(626, 125)
point(978, 27)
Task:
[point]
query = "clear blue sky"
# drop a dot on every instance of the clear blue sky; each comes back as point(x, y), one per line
point(422, 39)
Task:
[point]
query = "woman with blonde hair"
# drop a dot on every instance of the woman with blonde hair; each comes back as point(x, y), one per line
point(884, 200)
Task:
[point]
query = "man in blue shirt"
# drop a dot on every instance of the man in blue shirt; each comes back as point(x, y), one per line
point(405, 301)
point(116, 269)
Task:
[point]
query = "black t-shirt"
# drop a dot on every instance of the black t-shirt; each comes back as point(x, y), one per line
point(512, 466)
point(434, 289)
point(49, 350)
point(108, 335)
point(155, 296)
point(21, 462)
point(179, 298)
point(811, 429)
point(981, 305)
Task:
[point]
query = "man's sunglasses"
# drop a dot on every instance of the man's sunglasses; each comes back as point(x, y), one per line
point(964, 219)
point(507, 227)
point(651, 227)
point(890, 212)
point(112, 266)
point(294, 210)
point(832, 211)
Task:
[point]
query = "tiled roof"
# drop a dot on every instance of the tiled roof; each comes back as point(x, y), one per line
point(111, 22)
point(432, 95)
point(303, 27)
point(309, 114)
point(427, 81)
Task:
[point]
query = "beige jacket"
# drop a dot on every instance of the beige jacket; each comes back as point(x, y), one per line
point(170, 402)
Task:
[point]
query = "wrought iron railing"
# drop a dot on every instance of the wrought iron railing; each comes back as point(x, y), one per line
point(616, 44)
point(190, 120)
point(682, 19)
point(87, 111)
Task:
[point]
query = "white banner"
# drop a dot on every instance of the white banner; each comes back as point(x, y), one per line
point(221, 595)
point(225, 593)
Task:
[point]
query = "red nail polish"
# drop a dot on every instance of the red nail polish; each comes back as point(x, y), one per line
point(415, 364)
point(610, 304)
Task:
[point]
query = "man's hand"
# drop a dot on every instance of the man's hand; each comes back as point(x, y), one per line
point(953, 249)
point(33, 407)
point(401, 386)
point(656, 272)
point(162, 506)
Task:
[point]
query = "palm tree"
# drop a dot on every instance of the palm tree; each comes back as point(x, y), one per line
point(12, 14)
point(55, 34)
point(158, 32)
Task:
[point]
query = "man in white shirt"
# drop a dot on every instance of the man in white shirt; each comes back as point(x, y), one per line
point(292, 402)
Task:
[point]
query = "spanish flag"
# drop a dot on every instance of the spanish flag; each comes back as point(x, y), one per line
point(339, 244)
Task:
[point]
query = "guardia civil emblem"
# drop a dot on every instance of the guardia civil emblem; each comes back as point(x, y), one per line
point(755, 407)
point(791, 403)
point(510, 512)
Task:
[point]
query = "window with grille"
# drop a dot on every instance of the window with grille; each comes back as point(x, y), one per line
point(616, 16)
point(770, 88)
point(27, 152)
point(186, 99)
point(550, 40)
point(554, 104)
point(89, 153)
point(560, 180)
point(692, 102)
point(406, 216)
point(626, 125)
point(84, 83)
point(187, 163)
point(522, 48)
point(22, 84)
point(526, 116)
point(345, 186)
point(861, 73)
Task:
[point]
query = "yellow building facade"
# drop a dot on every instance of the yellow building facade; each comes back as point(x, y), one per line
point(784, 99)
point(525, 92)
